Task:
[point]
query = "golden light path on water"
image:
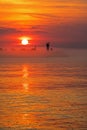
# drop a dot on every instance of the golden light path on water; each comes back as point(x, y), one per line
point(25, 78)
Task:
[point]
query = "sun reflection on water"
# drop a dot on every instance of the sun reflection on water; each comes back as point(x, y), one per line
point(25, 72)
point(25, 86)
point(25, 81)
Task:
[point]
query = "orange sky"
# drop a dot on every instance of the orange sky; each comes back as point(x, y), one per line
point(62, 22)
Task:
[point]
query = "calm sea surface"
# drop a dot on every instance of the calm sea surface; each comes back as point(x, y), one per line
point(43, 94)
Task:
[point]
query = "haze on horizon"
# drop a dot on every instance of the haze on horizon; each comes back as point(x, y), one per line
point(62, 22)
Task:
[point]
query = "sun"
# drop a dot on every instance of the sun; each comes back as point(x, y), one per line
point(24, 41)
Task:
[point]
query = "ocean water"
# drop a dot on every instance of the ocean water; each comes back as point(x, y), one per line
point(43, 94)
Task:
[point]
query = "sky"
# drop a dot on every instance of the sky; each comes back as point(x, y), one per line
point(61, 22)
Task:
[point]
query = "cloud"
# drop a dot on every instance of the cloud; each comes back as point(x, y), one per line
point(69, 35)
point(65, 35)
point(1, 49)
point(40, 32)
point(7, 31)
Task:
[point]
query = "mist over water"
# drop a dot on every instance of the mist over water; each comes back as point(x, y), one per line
point(43, 93)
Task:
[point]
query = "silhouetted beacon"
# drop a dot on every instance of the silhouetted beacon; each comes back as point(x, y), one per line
point(48, 45)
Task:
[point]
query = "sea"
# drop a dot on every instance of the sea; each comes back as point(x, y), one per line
point(44, 93)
